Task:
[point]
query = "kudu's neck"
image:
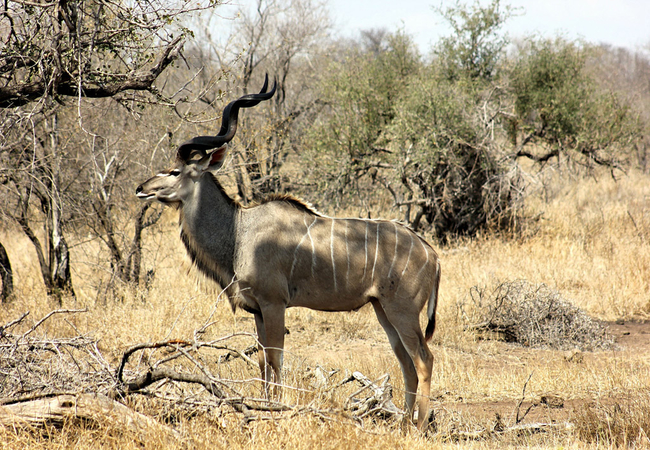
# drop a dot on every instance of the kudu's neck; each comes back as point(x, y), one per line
point(208, 220)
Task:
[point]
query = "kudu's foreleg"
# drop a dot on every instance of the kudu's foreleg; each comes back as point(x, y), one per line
point(270, 331)
point(261, 346)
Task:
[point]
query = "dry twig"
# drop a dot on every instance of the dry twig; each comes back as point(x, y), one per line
point(379, 403)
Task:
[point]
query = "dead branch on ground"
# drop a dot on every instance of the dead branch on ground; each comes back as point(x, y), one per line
point(378, 404)
point(48, 380)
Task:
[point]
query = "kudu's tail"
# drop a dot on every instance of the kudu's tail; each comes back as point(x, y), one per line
point(433, 303)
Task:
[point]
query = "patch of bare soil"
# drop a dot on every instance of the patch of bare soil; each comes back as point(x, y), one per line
point(633, 335)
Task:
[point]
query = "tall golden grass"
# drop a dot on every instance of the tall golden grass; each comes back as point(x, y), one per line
point(589, 239)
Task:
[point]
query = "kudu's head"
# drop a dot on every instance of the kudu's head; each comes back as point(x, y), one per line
point(199, 155)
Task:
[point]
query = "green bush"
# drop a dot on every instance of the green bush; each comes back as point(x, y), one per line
point(559, 107)
point(401, 130)
point(448, 162)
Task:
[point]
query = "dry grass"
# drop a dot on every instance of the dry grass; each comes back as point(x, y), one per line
point(618, 422)
point(592, 245)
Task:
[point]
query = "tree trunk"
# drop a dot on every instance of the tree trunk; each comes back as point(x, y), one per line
point(126, 268)
point(54, 255)
point(23, 221)
point(59, 255)
point(117, 260)
point(7, 276)
point(61, 278)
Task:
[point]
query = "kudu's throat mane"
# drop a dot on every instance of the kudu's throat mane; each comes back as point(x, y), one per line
point(216, 265)
point(221, 269)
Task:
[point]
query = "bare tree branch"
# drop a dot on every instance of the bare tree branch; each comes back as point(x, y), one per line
point(141, 80)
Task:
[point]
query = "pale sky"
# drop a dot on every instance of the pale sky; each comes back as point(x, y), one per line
point(623, 23)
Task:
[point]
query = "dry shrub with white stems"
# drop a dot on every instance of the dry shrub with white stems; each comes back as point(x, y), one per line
point(533, 316)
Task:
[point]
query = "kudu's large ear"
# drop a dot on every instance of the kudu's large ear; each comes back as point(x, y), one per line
point(216, 158)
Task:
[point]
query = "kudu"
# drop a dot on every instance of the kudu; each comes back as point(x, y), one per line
point(281, 253)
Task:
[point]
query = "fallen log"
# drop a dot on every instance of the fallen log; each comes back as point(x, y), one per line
point(82, 408)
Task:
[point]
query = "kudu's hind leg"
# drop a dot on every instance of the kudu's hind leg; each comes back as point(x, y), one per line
point(406, 322)
point(406, 363)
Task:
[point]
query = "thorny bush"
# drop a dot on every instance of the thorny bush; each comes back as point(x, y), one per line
point(533, 316)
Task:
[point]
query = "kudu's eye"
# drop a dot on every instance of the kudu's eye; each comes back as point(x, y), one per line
point(175, 172)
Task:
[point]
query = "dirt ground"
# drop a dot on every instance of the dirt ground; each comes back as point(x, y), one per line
point(632, 337)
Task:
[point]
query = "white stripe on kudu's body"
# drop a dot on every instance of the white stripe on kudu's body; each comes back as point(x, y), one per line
point(332, 256)
point(347, 256)
point(392, 264)
point(374, 264)
point(265, 249)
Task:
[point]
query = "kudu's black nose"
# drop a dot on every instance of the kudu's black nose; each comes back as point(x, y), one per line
point(138, 189)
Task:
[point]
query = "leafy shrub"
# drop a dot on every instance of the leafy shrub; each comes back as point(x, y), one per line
point(559, 107)
point(400, 129)
point(450, 168)
point(476, 45)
